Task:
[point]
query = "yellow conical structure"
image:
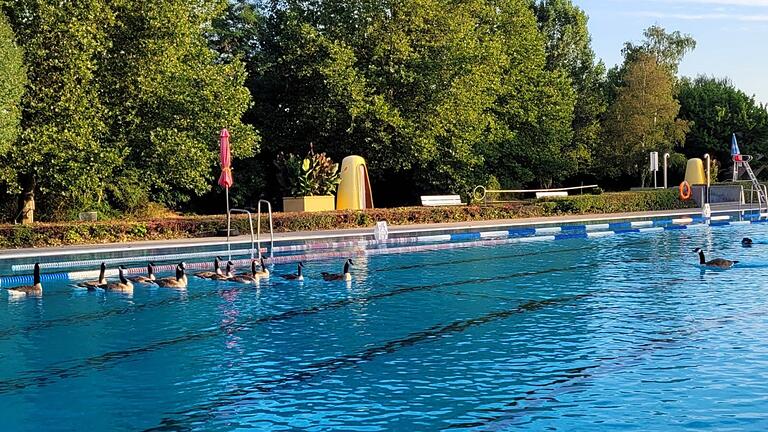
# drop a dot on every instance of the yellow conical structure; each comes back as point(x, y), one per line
point(694, 172)
point(354, 189)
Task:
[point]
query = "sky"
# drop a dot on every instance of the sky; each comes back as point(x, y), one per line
point(731, 35)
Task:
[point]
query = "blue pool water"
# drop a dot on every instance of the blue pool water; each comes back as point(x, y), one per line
point(625, 332)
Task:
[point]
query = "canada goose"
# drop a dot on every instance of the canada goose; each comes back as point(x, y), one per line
point(247, 278)
point(179, 281)
point(296, 276)
point(92, 285)
point(34, 290)
point(335, 276)
point(746, 242)
point(124, 285)
point(717, 262)
point(228, 274)
point(210, 274)
point(264, 272)
point(149, 279)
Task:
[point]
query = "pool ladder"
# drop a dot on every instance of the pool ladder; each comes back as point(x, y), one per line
point(255, 238)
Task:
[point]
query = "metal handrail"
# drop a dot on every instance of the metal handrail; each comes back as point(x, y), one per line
point(229, 231)
point(476, 196)
point(258, 228)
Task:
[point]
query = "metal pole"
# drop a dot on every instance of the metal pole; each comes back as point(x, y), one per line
point(666, 156)
point(709, 173)
point(229, 224)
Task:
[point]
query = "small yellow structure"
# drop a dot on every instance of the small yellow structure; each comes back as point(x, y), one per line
point(354, 189)
point(694, 172)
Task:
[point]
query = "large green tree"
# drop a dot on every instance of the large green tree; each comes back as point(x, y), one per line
point(407, 84)
point(168, 97)
point(642, 119)
point(667, 49)
point(60, 154)
point(569, 49)
point(12, 80)
point(717, 109)
point(124, 104)
point(531, 133)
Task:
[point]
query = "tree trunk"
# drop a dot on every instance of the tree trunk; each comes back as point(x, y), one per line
point(27, 199)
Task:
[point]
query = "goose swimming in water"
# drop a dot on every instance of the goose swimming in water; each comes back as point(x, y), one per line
point(123, 285)
point(210, 274)
point(247, 278)
point(295, 276)
point(149, 279)
point(100, 283)
point(746, 242)
point(179, 281)
point(228, 274)
point(264, 272)
point(34, 290)
point(343, 276)
point(717, 262)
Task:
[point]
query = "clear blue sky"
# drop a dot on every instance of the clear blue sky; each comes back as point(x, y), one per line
point(732, 35)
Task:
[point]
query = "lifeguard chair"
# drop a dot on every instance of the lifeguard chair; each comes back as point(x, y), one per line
point(740, 162)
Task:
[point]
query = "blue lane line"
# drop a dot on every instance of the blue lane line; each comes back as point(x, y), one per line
point(573, 228)
point(626, 231)
point(675, 227)
point(28, 280)
point(465, 236)
point(522, 232)
point(571, 236)
point(719, 223)
point(618, 226)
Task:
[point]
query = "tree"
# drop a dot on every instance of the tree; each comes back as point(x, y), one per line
point(717, 109)
point(531, 132)
point(407, 84)
point(12, 80)
point(568, 49)
point(668, 49)
point(60, 152)
point(642, 119)
point(169, 97)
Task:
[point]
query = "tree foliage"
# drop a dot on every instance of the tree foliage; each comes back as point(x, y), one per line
point(124, 101)
point(717, 109)
point(12, 81)
point(169, 98)
point(668, 49)
point(642, 119)
point(568, 49)
point(60, 151)
point(125, 98)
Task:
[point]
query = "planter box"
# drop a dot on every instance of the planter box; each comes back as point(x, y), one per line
point(309, 203)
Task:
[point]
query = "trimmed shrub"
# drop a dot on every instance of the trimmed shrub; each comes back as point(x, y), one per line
point(57, 234)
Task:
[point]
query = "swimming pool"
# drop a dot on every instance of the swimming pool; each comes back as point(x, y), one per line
point(622, 332)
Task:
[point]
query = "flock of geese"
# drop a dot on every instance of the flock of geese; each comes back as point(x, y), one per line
point(179, 280)
point(125, 284)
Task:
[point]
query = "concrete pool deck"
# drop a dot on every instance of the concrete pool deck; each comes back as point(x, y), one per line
point(394, 230)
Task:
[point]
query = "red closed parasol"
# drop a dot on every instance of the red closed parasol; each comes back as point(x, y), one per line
point(225, 180)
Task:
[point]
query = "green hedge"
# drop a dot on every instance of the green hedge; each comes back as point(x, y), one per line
point(58, 234)
point(661, 199)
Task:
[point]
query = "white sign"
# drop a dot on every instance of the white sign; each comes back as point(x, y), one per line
point(654, 161)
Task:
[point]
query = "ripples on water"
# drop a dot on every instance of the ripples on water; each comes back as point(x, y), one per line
point(613, 333)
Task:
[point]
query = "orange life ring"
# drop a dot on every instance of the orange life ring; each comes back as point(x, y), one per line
point(685, 190)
